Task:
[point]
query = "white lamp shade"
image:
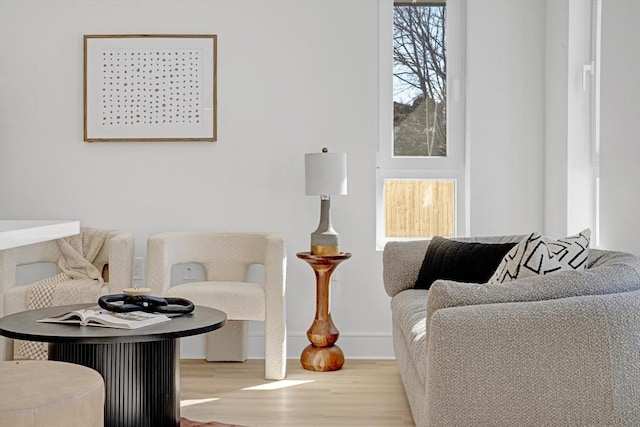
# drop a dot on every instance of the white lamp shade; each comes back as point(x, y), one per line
point(325, 174)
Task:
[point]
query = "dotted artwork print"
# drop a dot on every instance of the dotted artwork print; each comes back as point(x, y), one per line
point(152, 87)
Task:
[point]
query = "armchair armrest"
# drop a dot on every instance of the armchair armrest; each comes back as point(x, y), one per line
point(163, 251)
point(11, 259)
point(569, 361)
point(121, 254)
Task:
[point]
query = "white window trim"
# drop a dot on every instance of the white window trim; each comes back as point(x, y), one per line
point(596, 38)
point(452, 167)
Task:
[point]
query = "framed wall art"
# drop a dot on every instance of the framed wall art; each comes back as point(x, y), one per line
point(150, 87)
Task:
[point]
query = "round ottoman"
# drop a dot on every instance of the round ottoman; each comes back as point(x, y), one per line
point(47, 393)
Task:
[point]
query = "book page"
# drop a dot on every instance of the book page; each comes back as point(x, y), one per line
point(130, 320)
point(96, 316)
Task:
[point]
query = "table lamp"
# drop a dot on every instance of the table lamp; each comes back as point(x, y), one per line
point(325, 175)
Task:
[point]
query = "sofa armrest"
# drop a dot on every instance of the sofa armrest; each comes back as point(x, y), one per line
point(570, 361)
point(401, 262)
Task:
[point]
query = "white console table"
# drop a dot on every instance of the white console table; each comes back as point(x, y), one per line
point(26, 232)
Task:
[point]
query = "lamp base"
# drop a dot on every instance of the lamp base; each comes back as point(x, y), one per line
point(325, 250)
point(324, 241)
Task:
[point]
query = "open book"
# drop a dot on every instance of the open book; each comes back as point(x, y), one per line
point(96, 316)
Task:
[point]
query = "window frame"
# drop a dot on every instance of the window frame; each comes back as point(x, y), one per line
point(596, 40)
point(454, 165)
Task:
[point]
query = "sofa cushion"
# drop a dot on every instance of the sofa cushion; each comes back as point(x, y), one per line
point(409, 312)
point(608, 272)
point(469, 262)
point(239, 300)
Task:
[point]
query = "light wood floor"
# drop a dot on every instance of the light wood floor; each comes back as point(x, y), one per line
point(362, 393)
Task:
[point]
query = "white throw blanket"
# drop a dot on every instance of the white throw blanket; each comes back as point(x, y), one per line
point(78, 254)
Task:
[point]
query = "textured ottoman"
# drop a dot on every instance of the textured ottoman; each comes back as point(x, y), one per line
point(48, 393)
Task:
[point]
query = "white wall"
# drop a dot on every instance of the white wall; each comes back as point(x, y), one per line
point(505, 105)
point(569, 177)
point(556, 118)
point(620, 137)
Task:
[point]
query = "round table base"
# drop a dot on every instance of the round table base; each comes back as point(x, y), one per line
point(322, 359)
point(142, 379)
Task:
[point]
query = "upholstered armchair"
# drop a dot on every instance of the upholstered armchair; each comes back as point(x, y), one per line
point(226, 259)
point(114, 261)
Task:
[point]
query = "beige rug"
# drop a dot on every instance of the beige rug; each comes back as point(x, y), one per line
point(188, 423)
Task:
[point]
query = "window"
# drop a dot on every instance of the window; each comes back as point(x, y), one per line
point(419, 80)
point(420, 165)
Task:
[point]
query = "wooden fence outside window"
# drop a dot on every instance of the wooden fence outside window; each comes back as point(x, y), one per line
point(419, 208)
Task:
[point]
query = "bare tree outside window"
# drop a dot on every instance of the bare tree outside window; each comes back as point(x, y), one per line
point(419, 81)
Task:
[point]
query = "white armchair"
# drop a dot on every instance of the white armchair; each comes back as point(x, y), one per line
point(226, 259)
point(116, 253)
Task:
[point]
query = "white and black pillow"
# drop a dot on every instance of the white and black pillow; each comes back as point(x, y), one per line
point(530, 257)
point(534, 256)
point(572, 252)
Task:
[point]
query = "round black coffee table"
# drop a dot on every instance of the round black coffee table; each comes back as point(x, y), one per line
point(140, 367)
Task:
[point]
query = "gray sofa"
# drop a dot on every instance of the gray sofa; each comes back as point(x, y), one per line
point(555, 350)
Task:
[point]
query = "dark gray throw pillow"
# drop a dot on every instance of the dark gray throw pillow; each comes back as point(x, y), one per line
point(468, 262)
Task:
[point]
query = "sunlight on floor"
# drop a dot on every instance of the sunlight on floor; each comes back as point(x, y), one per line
point(276, 385)
point(189, 402)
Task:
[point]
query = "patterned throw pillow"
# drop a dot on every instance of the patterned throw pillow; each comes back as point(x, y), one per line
point(572, 252)
point(530, 257)
point(535, 257)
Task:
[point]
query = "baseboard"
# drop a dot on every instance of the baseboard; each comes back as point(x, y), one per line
point(354, 346)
